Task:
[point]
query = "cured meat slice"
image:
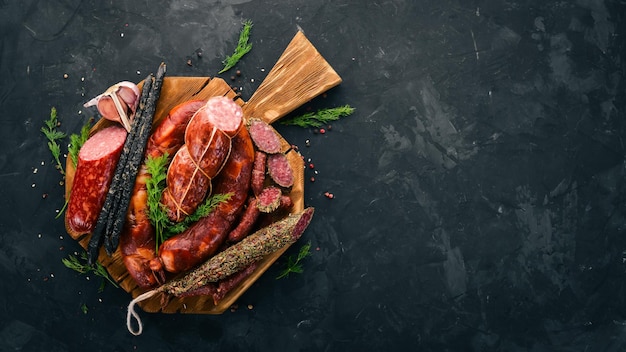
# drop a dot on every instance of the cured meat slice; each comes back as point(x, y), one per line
point(264, 136)
point(279, 170)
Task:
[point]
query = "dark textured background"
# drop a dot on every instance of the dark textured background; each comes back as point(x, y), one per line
point(479, 187)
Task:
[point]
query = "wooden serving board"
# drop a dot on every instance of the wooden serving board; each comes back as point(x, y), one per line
point(299, 75)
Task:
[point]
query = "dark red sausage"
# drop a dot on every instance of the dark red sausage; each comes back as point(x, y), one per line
point(246, 222)
point(219, 290)
point(258, 172)
point(96, 164)
point(207, 147)
point(137, 240)
point(193, 246)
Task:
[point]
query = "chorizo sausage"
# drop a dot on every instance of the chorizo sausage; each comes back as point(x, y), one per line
point(137, 241)
point(201, 240)
point(96, 164)
point(207, 147)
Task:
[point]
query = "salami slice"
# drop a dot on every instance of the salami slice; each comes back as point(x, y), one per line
point(269, 199)
point(96, 164)
point(279, 170)
point(264, 136)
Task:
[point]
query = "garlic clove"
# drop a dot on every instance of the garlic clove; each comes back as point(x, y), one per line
point(118, 103)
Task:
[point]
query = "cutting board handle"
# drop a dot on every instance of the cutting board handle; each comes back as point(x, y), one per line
point(299, 75)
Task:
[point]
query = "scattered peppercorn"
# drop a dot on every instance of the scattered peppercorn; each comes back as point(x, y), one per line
point(238, 73)
point(322, 131)
point(311, 166)
point(189, 62)
point(312, 179)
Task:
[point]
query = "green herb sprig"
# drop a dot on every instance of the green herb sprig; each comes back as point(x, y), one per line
point(295, 265)
point(203, 210)
point(320, 117)
point(163, 226)
point(54, 136)
point(77, 141)
point(243, 47)
point(80, 265)
point(155, 184)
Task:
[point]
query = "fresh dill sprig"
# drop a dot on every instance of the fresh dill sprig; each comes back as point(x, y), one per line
point(63, 208)
point(320, 117)
point(77, 141)
point(164, 228)
point(81, 266)
point(294, 265)
point(157, 168)
point(203, 210)
point(243, 47)
point(54, 136)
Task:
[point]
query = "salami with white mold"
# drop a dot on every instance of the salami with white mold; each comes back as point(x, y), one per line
point(97, 160)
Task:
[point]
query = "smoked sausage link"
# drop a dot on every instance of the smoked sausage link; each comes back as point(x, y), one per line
point(207, 147)
point(94, 171)
point(137, 241)
point(201, 240)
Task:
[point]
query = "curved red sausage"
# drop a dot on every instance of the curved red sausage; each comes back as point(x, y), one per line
point(193, 246)
point(96, 164)
point(207, 147)
point(137, 241)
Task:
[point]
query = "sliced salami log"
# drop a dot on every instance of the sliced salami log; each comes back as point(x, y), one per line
point(279, 170)
point(207, 147)
point(264, 136)
point(96, 164)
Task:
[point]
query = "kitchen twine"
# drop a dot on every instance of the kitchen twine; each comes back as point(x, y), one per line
point(131, 313)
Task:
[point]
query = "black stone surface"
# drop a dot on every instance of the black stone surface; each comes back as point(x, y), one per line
point(478, 188)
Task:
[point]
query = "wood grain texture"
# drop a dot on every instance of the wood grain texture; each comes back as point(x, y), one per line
point(299, 75)
point(270, 103)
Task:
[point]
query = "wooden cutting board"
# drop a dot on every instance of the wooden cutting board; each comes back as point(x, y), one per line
point(299, 75)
